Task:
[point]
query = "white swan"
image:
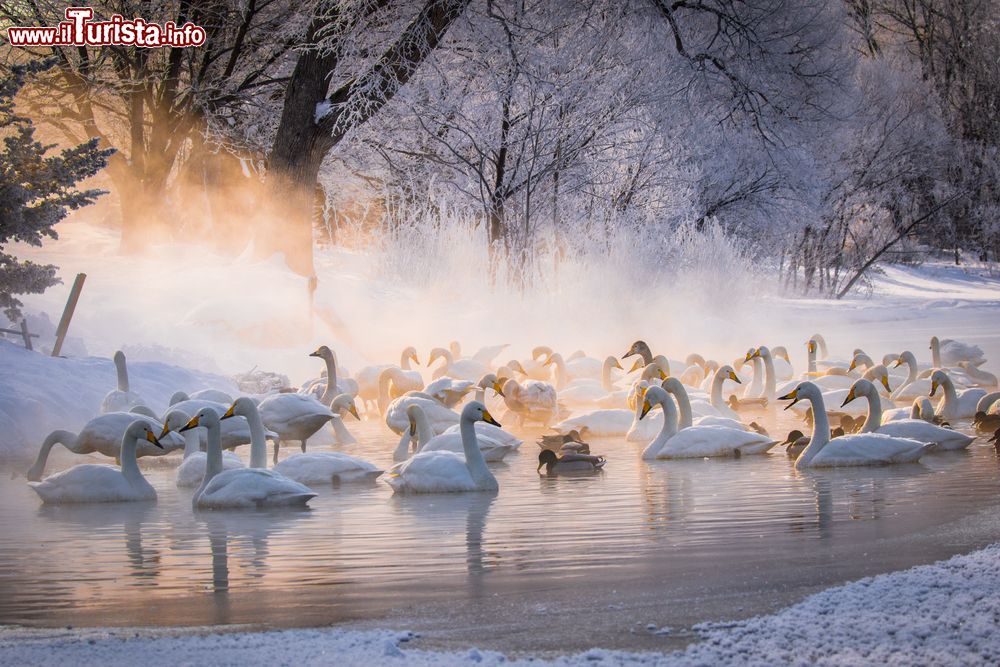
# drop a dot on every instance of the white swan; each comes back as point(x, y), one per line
point(696, 441)
point(94, 483)
point(243, 487)
point(860, 449)
point(977, 376)
point(463, 369)
point(367, 377)
point(122, 398)
point(326, 388)
point(344, 403)
point(770, 380)
point(579, 369)
point(439, 417)
point(954, 404)
point(449, 391)
point(913, 386)
point(103, 435)
point(393, 383)
point(727, 373)
point(443, 472)
point(192, 469)
point(235, 432)
point(915, 429)
point(949, 352)
point(533, 401)
point(607, 423)
point(674, 386)
point(293, 417)
point(493, 450)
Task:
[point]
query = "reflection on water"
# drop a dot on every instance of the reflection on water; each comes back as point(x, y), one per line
point(361, 552)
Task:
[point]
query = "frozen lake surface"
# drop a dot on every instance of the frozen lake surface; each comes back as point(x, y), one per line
point(668, 543)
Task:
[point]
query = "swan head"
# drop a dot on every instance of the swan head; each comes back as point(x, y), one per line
point(805, 391)
point(140, 430)
point(653, 370)
point(477, 412)
point(861, 387)
point(174, 421)
point(614, 363)
point(554, 358)
point(938, 379)
point(178, 397)
point(439, 352)
point(242, 406)
point(694, 359)
point(119, 358)
point(638, 347)
point(345, 402)
point(541, 351)
point(934, 343)
point(323, 352)
point(414, 413)
point(206, 417)
point(411, 354)
point(752, 353)
point(652, 396)
point(491, 381)
point(811, 345)
point(546, 458)
point(880, 373)
point(727, 373)
point(781, 351)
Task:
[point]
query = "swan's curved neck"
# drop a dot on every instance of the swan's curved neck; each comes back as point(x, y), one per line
point(65, 438)
point(213, 458)
point(331, 379)
point(811, 359)
point(716, 397)
point(769, 379)
point(424, 430)
point(683, 405)
point(481, 394)
point(820, 433)
point(384, 378)
point(874, 419)
point(560, 365)
point(192, 443)
point(757, 384)
point(340, 428)
point(404, 361)
point(606, 383)
point(936, 353)
point(950, 395)
point(402, 451)
point(911, 368)
point(474, 460)
point(258, 440)
point(667, 431)
point(130, 466)
point(122, 369)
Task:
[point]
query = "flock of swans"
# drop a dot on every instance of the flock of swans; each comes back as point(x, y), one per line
point(448, 436)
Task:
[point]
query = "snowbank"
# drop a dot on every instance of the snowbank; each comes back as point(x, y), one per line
point(39, 393)
point(945, 613)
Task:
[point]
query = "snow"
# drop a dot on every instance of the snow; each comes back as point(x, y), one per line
point(322, 110)
point(40, 393)
point(943, 613)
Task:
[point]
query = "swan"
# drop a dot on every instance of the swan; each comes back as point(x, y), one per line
point(443, 472)
point(921, 408)
point(676, 387)
point(449, 391)
point(823, 359)
point(344, 403)
point(977, 376)
point(589, 391)
point(696, 441)
point(533, 401)
point(583, 368)
point(950, 352)
point(877, 373)
point(484, 355)
point(568, 463)
point(954, 405)
point(439, 417)
point(534, 368)
point(492, 449)
point(326, 388)
point(293, 417)
point(192, 469)
point(913, 386)
point(915, 429)
point(606, 423)
point(783, 371)
point(367, 377)
point(463, 369)
point(769, 378)
point(756, 386)
point(482, 428)
point(103, 435)
point(241, 488)
point(235, 432)
point(849, 450)
point(122, 398)
point(94, 483)
point(401, 382)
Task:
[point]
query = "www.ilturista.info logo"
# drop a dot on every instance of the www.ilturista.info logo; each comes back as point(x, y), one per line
point(79, 30)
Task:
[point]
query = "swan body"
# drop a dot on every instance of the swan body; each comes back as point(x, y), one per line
point(462, 369)
point(438, 416)
point(192, 469)
point(448, 472)
point(212, 395)
point(103, 435)
point(914, 429)
point(326, 388)
point(293, 417)
point(451, 441)
point(367, 377)
point(242, 488)
point(494, 433)
point(314, 468)
point(599, 423)
point(954, 404)
point(449, 391)
point(861, 449)
point(122, 398)
point(94, 483)
point(948, 352)
point(533, 401)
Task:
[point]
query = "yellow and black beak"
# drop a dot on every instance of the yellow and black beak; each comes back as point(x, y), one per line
point(899, 362)
point(885, 383)
point(413, 428)
point(153, 439)
point(498, 387)
point(636, 366)
point(792, 396)
point(750, 355)
point(663, 375)
point(811, 346)
point(646, 407)
point(854, 364)
point(414, 358)
point(194, 423)
point(353, 409)
point(231, 412)
point(488, 418)
point(735, 378)
point(617, 365)
point(850, 397)
point(166, 429)
point(934, 386)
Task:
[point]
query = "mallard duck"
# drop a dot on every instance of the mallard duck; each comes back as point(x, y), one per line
point(568, 463)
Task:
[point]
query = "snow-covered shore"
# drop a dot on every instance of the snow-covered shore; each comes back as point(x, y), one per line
point(944, 613)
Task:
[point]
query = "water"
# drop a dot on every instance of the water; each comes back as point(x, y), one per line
point(548, 564)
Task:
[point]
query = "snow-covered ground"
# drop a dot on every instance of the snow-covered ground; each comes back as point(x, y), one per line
point(944, 613)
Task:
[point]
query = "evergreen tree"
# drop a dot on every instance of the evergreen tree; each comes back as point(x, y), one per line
point(36, 191)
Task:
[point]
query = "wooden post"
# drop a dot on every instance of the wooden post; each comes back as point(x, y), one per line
point(74, 296)
point(25, 335)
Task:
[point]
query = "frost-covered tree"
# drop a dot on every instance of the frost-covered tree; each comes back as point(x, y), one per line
point(37, 190)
